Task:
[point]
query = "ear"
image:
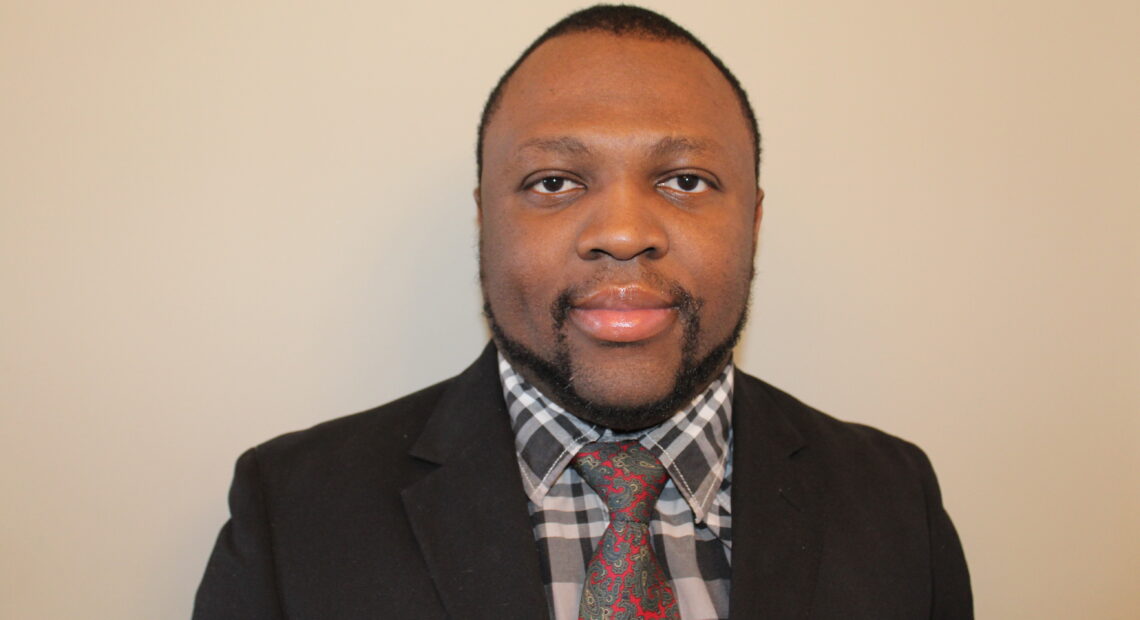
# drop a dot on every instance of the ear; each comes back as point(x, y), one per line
point(758, 215)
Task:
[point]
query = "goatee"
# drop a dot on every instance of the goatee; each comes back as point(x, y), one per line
point(555, 373)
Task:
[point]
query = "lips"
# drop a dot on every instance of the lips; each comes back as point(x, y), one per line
point(629, 313)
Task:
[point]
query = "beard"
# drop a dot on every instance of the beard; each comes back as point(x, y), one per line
point(555, 372)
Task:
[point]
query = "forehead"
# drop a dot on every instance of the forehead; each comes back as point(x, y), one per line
point(598, 85)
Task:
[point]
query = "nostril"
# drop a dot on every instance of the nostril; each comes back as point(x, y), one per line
point(622, 226)
point(622, 254)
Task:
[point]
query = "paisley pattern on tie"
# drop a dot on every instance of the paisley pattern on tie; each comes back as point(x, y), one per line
point(624, 580)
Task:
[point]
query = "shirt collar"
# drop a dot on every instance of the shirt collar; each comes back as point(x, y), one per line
point(693, 444)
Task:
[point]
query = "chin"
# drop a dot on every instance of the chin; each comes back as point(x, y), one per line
point(624, 396)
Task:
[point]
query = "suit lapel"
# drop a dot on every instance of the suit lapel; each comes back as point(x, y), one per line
point(469, 515)
point(776, 533)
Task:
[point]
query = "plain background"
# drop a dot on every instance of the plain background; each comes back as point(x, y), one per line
point(225, 220)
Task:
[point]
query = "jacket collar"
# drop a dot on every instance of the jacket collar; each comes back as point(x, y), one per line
point(776, 525)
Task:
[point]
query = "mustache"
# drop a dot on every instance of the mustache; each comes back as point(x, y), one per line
point(687, 304)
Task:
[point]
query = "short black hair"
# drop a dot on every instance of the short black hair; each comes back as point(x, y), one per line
point(619, 20)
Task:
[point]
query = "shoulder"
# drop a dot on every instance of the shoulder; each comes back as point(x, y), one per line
point(393, 442)
point(403, 415)
point(846, 450)
point(377, 439)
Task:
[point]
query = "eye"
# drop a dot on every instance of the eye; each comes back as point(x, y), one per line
point(554, 185)
point(686, 183)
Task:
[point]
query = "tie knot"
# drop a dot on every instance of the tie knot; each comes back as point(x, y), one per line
point(626, 476)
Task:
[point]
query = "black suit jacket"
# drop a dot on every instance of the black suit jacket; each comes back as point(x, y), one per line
point(416, 510)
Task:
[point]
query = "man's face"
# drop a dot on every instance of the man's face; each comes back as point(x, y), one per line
point(618, 213)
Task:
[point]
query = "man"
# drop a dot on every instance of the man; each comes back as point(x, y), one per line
point(603, 457)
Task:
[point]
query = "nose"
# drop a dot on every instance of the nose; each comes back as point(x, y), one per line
point(623, 224)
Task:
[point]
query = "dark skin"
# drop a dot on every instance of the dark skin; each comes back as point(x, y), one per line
point(619, 214)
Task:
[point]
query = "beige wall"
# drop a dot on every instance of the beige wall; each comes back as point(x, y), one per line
point(220, 221)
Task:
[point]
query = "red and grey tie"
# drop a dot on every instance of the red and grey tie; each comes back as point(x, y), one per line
point(624, 580)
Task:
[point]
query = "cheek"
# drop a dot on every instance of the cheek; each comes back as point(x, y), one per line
point(514, 270)
point(723, 268)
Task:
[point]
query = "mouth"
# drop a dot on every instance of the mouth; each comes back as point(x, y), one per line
point(623, 314)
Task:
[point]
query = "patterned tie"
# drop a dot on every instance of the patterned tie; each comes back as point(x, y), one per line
point(624, 581)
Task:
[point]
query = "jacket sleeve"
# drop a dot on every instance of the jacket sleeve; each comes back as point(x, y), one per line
point(240, 581)
point(953, 599)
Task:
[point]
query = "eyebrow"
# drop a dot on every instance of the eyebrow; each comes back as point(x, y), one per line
point(664, 147)
point(564, 145)
point(676, 146)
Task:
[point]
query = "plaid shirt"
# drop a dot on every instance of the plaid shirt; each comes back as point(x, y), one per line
point(691, 526)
